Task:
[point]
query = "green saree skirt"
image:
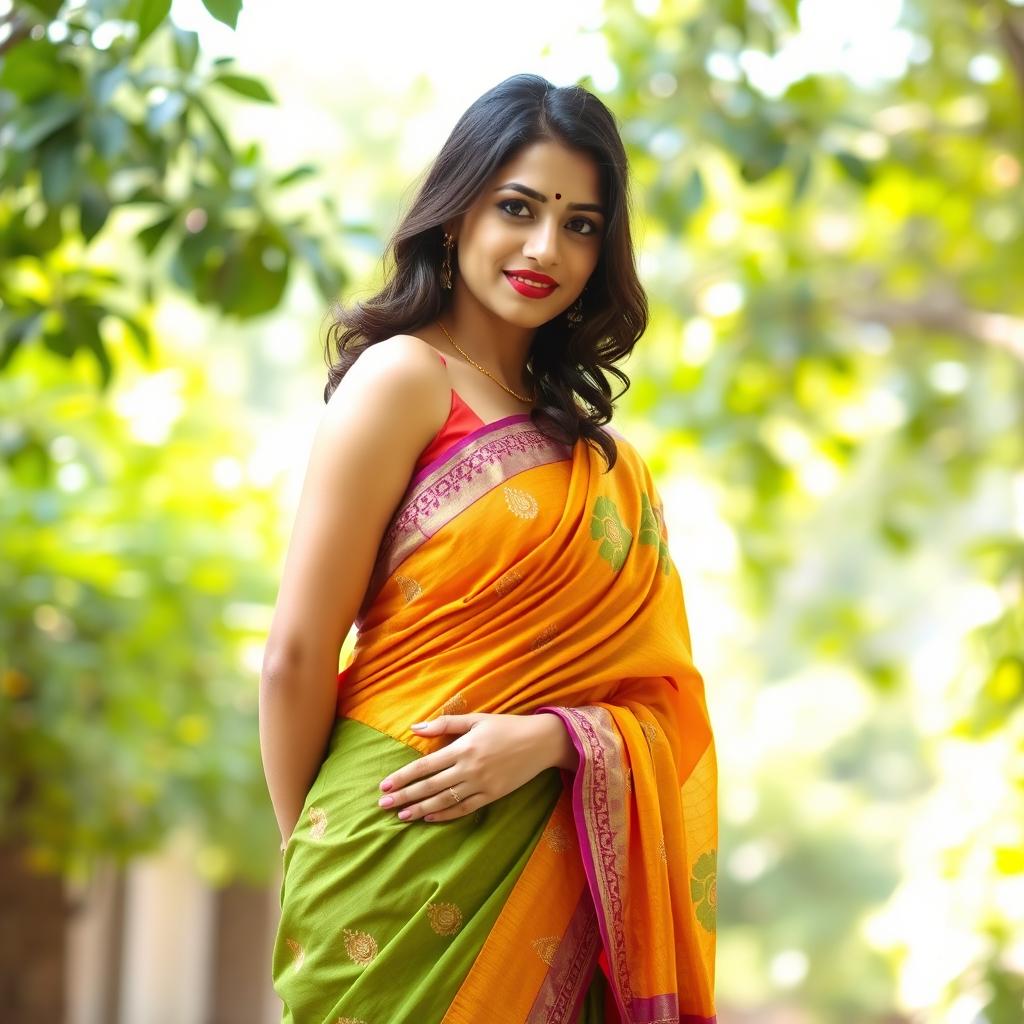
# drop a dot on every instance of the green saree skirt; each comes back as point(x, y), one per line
point(381, 920)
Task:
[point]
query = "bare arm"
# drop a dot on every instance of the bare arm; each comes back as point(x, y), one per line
point(378, 420)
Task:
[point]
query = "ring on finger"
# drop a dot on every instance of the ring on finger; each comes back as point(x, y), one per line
point(455, 796)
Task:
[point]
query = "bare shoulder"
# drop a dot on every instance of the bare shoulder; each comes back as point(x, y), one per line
point(379, 418)
point(398, 385)
point(401, 363)
point(404, 350)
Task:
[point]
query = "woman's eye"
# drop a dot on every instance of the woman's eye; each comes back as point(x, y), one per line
point(505, 203)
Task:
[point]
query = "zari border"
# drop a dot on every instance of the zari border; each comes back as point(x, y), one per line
point(434, 498)
point(445, 454)
point(601, 816)
point(561, 995)
point(601, 830)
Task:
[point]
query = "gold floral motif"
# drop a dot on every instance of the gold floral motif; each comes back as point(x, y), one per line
point(409, 587)
point(298, 953)
point(545, 636)
point(508, 582)
point(521, 504)
point(361, 948)
point(650, 731)
point(546, 948)
point(454, 705)
point(317, 822)
point(445, 918)
point(556, 836)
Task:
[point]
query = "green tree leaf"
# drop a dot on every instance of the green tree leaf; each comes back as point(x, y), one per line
point(225, 11)
point(148, 15)
point(251, 88)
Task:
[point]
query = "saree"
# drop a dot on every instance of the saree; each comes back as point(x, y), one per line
point(517, 576)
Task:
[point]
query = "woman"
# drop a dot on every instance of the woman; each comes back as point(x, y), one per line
point(503, 808)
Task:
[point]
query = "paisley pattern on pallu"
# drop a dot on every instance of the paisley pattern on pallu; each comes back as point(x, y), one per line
point(516, 576)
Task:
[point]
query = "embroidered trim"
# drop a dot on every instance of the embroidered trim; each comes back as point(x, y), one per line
point(571, 965)
point(465, 477)
point(602, 830)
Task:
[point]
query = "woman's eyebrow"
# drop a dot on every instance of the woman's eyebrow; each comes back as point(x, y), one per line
point(541, 198)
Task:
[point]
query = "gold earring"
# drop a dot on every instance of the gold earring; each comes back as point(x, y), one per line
point(446, 262)
point(575, 313)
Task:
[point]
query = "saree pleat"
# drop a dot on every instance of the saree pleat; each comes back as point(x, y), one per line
point(516, 577)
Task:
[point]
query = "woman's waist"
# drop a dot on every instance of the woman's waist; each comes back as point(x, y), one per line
point(417, 677)
point(345, 792)
point(392, 702)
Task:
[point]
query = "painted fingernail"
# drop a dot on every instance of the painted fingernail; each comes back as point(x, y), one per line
point(428, 817)
point(404, 815)
point(385, 785)
point(385, 801)
point(420, 725)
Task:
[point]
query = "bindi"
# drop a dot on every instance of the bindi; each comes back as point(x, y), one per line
point(558, 195)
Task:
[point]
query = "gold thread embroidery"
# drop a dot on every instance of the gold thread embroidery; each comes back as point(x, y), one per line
point(557, 837)
point(545, 636)
point(521, 504)
point(445, 918)
point(350, 1020)
point(629, 780)
point(662, 850)
point(361, 948)
point(298, 953)
point(650, 731)
point(546, 948)
point(508, 582)
point(409, 587)
point(454, 486)
point(454, 705)
point(317, 822)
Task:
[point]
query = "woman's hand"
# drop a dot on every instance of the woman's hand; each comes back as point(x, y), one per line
point(493, 755)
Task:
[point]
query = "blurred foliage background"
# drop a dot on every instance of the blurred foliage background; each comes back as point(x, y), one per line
point(831, 229)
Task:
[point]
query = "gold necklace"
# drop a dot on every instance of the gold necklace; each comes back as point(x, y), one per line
point(480, 368)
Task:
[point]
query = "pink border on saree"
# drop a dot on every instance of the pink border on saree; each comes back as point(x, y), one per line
point(591, 801)
point(455, 447)
point(565, 986)
point(452, 482)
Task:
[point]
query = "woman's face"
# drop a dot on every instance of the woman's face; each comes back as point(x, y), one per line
point(526, 219)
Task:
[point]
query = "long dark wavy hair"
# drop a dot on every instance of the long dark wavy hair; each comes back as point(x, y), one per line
point(564, 364)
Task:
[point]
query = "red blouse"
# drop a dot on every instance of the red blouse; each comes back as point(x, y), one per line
point(461, 421)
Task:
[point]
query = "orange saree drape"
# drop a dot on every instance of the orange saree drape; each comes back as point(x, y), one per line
point(518, 576)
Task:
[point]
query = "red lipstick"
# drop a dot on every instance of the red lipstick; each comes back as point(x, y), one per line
point(540, 285)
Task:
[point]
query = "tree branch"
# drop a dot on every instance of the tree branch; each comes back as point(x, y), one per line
point(943, 311)
point(1011, 35)
point(19, 29)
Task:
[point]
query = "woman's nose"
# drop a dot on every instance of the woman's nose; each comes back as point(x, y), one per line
point(543, 243)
